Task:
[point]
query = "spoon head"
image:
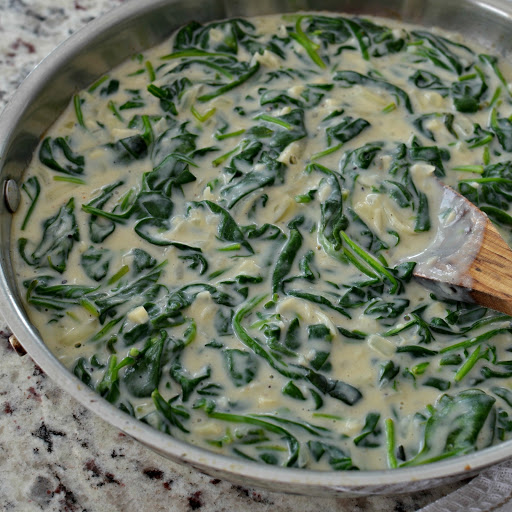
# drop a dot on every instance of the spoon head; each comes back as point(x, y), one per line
point(445, 264)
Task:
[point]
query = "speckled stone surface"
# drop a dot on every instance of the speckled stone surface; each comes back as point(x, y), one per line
point(55, 455)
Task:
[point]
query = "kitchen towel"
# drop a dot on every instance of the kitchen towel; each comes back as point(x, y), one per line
point(490, 491)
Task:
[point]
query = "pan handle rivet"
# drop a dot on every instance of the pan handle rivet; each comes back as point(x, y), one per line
point(11, 195)
point(16, 345)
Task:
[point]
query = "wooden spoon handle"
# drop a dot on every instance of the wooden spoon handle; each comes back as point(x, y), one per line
point(491, 272)
point(467, 260)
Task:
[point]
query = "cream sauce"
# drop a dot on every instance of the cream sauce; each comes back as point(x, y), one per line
point(282, 361)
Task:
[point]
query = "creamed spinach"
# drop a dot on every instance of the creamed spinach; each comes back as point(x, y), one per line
point(214, 237)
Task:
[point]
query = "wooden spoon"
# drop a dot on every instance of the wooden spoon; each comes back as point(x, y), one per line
point(470, 261)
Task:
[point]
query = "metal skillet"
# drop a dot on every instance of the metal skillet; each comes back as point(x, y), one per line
point(105, 43)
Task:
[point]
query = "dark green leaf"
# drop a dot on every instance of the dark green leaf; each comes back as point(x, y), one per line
point(95, 262)
point(58, 155)
point(293, 391)
point(335, 388)
point(336, 458)
point(454, 426)
point(186, 381)
point(32, 188)
point(143, 377)
point(285, 260)
point(241, 365)
point(369, 436)
point(59, 234)
point(351, 78)
point(346, 130)
point(427, 80)
point(81, 372)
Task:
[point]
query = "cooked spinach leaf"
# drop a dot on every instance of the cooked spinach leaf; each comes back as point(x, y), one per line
point(454, 426)
point(59, 234)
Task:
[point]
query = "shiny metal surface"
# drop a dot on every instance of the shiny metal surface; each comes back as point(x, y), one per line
point(134, 27)
point(17, 346)
point(12, 195)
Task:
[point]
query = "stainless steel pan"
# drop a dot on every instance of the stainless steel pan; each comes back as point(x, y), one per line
point(103, 44)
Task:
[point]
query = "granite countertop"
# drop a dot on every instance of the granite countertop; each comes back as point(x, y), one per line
point(55, 455)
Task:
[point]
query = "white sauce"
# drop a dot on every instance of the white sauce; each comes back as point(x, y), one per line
point(357, 342)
